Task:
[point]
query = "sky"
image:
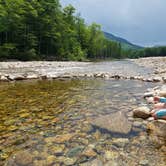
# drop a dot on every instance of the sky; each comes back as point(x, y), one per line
point(141, 22)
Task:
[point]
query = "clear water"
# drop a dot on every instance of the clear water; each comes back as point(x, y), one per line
point(50, 123)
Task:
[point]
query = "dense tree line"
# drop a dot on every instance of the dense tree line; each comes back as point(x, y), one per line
point(42, 29)
point(146, 52)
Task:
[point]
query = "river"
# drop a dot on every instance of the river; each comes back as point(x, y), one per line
point(53, 122)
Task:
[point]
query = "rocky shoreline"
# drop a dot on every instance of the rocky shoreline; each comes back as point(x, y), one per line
point(13, 71)
point(155, 128)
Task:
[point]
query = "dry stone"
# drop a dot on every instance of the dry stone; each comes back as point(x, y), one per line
point(141, 112)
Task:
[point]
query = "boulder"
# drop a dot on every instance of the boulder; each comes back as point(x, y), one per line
point(3, 78)
point(148, 94)
point(156, 130)
point(16, 77)
point(162, 93)
point(32, 76)
point(141, 112)
point(157, 79)
point(115, 122)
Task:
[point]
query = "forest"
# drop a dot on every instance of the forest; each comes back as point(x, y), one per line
point(146, 52)
point(43, 30)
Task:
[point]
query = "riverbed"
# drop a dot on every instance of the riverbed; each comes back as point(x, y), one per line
point(64, 122)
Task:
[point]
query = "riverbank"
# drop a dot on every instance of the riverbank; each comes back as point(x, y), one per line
point(156, 63)
point(152, 70)
point(77, 121)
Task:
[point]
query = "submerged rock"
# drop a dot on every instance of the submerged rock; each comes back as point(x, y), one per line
point(23, 158)
point(59, 139)
point(157, 131)
point(141, 112)
point(115, 122)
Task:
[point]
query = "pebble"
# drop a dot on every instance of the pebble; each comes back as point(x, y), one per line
point(121, 142)
point(69, 161)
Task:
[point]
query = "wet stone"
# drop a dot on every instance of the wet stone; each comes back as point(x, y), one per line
point(89, 152)
point(75, 151)
point(120, 142)
point(115, 122)
point(50, 160)
point(69, 161)
point(56, 149)
point(23, 158)
point(110, 155)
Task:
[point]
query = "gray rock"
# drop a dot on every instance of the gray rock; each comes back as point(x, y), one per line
point(75, 151)
point(115, 122)
point(137, 124)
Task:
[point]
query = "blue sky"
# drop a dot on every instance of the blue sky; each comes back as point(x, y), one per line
point(142, 22)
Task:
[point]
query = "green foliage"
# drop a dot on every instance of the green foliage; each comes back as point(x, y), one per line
point(146, 52)
point(6, 50)
point(32, 30)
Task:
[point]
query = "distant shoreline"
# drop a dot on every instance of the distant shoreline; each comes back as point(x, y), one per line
point(17, 70)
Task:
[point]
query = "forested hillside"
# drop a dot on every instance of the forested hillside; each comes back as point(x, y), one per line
point(126, 45)
point(43, 30)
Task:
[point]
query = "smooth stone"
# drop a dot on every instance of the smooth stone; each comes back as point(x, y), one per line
point(115, 122)
point(50, 160)
point(33, 76)
point(162, 93)
point(3, 78)
point(137, 124)
point(69, 161)
point(111, 163)
point(75, 151)
point(110, 155)
point(131, 119)
point(141, 112)
point(120, 142)
point(60, 138)
point(95, 162)
point(56, 149)
point(89, 152)
point(39, 163)
point(144, 162)
point(23, 158)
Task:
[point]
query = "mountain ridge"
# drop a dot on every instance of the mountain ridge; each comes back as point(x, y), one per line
point(126, 45)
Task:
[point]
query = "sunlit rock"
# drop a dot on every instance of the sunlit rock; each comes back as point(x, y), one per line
point(115, 122)
point(141, 112)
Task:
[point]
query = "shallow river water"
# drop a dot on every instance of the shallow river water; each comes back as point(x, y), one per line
point(50, 123)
